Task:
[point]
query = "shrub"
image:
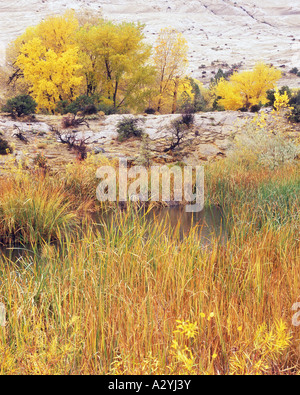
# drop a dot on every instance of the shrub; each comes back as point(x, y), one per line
point(19, 134)
point(41, 162)
point(129, 127)
point(271, 95)
point(87, 105)
point(83, 104)
point(107, 109)
point(188, 119)
point(294, 71)
point(286, 89)
point(255, 108)
point(91, 109)
point(5, 148)
point(178, 130)
point(62, 107)
point(70, 121)
point(295, 99)
point(295, 114)
point(81, 149)
point(78, 145)
point(20, 105)
point(295, 103)
point(150, 111)
point(254, 145)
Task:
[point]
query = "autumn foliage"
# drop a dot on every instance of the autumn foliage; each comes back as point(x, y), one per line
point(171, 62)
point(47, 56)
point(73, 55)
point(248, 88)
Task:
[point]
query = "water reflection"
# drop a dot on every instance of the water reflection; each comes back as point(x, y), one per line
point(16, 252)
point(209, 223)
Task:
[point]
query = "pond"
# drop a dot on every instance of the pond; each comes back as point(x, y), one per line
point(209, 222)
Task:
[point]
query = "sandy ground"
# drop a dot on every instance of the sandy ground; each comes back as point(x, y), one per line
point(217, 30)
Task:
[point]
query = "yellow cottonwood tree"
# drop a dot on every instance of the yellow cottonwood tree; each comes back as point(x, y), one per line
point(47, 58)
point(73, 54)
point(58, 32)
point(171, 62)
point(185, 95)
point(86, 39)
point(52, 76)
point(116, 62)
point(248, 88)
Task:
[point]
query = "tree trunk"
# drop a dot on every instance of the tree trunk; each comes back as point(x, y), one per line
point(175, 96)
point(115, 94)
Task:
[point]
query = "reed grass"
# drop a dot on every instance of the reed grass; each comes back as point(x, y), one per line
point(33, 210)
point(131, 296)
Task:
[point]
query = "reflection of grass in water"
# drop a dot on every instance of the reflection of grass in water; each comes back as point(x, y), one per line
point(174, 221)
point(208, 222)
point(106, 300)
point(15, 253)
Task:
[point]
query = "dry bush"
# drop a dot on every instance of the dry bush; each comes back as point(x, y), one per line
point(78, 145)
point(71, 121)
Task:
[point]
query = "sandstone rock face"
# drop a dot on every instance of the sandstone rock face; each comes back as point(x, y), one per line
point(209, 138)
point(33, 127)
point(224, 30)
point(208, 126)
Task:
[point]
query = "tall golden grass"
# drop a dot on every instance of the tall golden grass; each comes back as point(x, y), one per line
point(32, 211)
point(132, 297)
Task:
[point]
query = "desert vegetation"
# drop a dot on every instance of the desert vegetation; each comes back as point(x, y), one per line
point(110, 288)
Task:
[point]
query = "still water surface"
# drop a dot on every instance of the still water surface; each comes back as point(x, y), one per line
point(209, 222)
